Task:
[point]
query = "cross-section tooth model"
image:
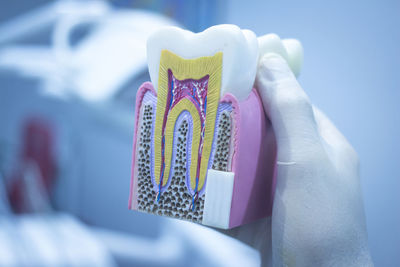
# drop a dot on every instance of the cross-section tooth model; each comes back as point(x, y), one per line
point(203, 148)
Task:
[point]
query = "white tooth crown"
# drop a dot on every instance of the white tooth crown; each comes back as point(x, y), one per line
point(239, 48)
point(290, 49)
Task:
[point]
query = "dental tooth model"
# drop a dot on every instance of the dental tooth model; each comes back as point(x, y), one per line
point(203, 149)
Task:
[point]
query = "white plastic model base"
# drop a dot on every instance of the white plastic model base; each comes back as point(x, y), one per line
point(217, 205)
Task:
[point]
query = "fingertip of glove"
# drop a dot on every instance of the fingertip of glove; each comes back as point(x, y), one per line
point(273, 67)
point(272, 57)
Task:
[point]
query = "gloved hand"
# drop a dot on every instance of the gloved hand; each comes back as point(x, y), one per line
point(318, 215)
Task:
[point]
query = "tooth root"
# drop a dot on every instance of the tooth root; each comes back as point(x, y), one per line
point(186, 85)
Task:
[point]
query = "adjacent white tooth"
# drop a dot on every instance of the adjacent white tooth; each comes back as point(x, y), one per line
point(295, 53)
point(290, 49)
point(239, 48)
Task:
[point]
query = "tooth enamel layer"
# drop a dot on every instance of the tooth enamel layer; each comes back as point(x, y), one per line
point(239, 49)
point(186, 86)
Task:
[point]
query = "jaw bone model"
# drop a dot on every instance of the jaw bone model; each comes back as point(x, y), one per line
point(204, 150)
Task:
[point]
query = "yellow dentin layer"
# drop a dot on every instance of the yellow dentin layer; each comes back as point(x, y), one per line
point(184, 69)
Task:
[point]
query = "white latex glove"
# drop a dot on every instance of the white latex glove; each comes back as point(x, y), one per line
point(318, 215)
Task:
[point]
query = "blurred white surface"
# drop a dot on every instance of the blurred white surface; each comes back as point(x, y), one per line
point(106, 58)
point(44, 240)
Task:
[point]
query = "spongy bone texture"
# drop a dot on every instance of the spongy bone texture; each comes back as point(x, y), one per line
point(145, 191)
point(221, 157)
point(176, 201)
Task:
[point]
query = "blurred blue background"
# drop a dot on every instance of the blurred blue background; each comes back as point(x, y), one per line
point(350, 71)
